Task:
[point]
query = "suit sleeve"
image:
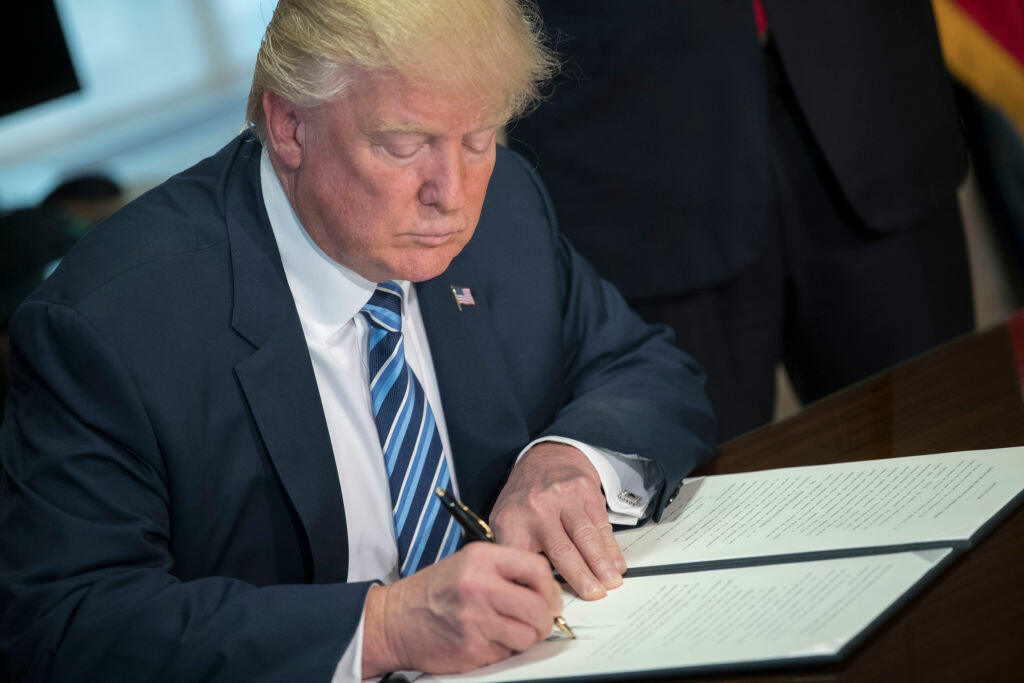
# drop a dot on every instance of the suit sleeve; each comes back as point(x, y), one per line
point(87, 584)
point(628, 387)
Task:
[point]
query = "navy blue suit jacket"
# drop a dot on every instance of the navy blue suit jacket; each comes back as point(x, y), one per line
point(170, 503)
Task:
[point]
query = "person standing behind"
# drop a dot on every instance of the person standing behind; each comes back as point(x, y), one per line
point(776, 182)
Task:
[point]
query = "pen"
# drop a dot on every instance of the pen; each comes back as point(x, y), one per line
point(477, 530)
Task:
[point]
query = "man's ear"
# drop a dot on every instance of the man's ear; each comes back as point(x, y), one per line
point(285, 130)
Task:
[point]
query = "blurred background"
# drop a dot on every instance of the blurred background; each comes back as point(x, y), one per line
point(134, 90)
point(113, 96)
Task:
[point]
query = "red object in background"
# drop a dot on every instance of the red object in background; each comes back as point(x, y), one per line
point(1001, 19)
point(760, 17)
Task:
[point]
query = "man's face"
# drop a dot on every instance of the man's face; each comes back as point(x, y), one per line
point(392, 178)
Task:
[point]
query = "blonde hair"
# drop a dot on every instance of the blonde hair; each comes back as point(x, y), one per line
point(491, 49)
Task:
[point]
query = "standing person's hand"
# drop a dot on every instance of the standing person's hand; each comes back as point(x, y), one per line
point(473, 608)
point(553, 503)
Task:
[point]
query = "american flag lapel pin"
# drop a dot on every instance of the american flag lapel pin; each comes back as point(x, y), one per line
point(463, 297)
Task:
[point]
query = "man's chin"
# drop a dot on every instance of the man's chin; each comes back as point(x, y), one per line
point(425, 264)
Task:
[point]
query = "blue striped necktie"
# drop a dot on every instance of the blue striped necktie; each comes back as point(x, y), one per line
point(409, 438)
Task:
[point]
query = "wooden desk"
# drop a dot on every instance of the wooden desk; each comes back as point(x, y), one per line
point(968, 623)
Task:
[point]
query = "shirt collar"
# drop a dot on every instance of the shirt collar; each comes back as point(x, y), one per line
point(327, 294)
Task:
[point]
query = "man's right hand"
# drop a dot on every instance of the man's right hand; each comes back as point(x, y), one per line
point(471, 609)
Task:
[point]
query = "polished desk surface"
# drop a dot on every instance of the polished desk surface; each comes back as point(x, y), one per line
point(967, 624)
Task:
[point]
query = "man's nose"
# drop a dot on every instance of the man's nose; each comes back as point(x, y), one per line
point(444, 185)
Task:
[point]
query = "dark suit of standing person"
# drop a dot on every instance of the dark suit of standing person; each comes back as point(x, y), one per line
point(789, 198)
point(184, 443)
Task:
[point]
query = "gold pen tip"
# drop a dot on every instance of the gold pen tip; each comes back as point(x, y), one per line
point(560, 623)
point(439, 491)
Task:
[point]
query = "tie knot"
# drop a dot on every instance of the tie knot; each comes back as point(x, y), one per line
point(384, 309)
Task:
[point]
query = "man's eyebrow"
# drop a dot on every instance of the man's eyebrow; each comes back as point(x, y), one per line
point(383, 127)
point(396, 127)
point(375, 126)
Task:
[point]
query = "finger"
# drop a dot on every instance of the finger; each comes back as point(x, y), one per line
point(486, 654)
point(518, 537)
point(598, 512)
point(511, 634)
point(567, 560)
point(591, 544)
point(612, 546)
point(530, 571)
point(527, 607)
point(612, 549)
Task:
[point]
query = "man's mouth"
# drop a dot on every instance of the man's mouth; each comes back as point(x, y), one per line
point(432, 239)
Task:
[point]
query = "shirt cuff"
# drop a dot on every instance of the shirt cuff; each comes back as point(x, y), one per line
point(629, 481)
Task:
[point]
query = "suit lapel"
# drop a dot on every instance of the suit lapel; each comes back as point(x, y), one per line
point(486, 426)
point(278, 380)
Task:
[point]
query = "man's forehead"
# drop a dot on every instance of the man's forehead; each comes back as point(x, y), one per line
point(392, 105)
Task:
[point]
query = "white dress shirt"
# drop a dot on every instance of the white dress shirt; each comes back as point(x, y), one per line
point(328, 298)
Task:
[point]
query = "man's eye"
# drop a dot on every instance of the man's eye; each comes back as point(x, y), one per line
point(401, 151)
point(480, 143)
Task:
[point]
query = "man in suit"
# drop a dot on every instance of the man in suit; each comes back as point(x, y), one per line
point(232, 402)
point(789, 198)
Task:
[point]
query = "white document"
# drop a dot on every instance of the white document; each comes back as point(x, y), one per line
point(777, 613)
point(929, 499)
